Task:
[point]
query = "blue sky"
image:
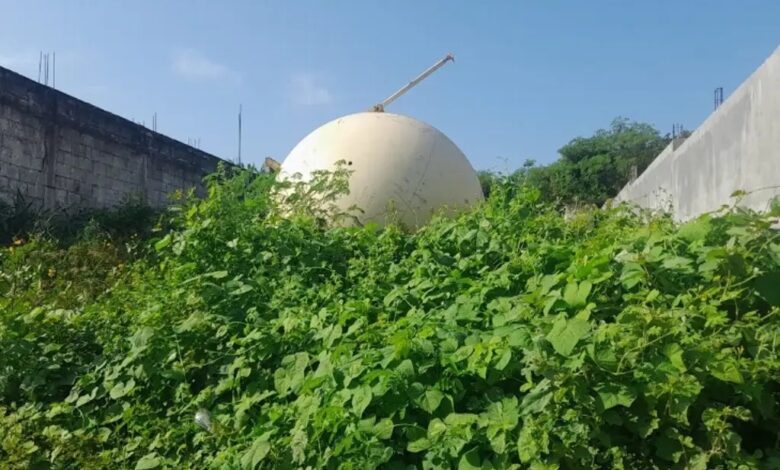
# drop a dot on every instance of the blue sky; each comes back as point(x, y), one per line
point(528, 76)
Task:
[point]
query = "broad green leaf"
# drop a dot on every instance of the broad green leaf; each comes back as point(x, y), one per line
point(615, 395)
point(367, 424)
point(384, 428)
point(361, 398)
point(460, 419)
point(552, 299)
point(696, 229)
point(129, 386)
point(470, 460)
point(141, 337)
point(243, 289)
point(668, 449)
point(431, 400)
point(699, 461)
point(531, 442)
point(566, 333)
point(256, 453)
point(291, 375)
point(103, 434)
point(405, 368)
point(502, 414)
point(603, 355)
point(392, 296)
point(726, 369)
point(576, 295)
point(192, 322)
point(84, 399)
point(675, 354)
point(519, 337)
point(774, 250)
point(503, 359)
point(537, 399)
point(652, 295)
point(117, 391)
point(500, 417)
point(677, 263)
point(436, 428)
point(497, 442)
point(150, 460)
point(462, 353)
point(547, 283)
point(298, 444)
point(632, 274)
point(163, 243)
point(768, 287)
point(419, 445)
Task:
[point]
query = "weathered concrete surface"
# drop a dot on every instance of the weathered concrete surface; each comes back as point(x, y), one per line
point(59, 151)
point(736, 148)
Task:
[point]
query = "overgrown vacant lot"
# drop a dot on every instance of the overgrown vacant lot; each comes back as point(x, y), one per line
point(507, 338)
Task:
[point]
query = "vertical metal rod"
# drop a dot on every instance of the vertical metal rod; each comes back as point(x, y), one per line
point(239, 133)
point(40, 65)
point(718, 97)
point(54, 70)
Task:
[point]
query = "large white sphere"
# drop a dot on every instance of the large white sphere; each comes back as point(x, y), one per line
point(396, 161)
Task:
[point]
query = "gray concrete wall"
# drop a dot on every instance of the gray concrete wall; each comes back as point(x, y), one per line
point(736, 149)
point(59, 151)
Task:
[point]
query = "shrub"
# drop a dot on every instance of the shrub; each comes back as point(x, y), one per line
point(509, 337)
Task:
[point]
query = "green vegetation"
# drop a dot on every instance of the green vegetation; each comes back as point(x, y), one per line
point(594, 169)
point(510, 337)
point(20, 218)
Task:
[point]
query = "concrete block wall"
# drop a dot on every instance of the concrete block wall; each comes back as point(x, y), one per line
point(736, 149)
point(58, 151)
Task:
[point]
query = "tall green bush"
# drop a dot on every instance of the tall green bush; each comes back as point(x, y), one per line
point(509, 337)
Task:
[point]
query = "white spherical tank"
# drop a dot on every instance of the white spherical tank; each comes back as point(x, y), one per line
point(396, 161)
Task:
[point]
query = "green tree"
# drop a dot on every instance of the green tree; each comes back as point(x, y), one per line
point(487, 179)
point(592, 169)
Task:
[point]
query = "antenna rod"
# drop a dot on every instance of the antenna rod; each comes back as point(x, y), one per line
point(381, 106)
point(239, 134)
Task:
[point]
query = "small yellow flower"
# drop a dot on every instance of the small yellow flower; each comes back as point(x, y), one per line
point(18, 241)
point(52, 272)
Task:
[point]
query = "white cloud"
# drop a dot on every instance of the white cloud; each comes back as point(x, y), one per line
point(194, 66)
point(308, 92)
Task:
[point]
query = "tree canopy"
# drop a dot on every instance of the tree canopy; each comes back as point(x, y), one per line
point(592, 169)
